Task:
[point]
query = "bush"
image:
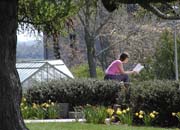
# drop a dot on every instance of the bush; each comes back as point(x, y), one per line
point(76, 92)
point(162, 96)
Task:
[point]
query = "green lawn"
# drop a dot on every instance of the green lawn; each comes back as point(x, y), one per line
point(85, 126)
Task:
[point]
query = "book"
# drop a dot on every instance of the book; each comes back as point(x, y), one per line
point(138, 67)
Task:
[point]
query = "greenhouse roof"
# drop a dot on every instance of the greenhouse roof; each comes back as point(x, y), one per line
point(29, 68)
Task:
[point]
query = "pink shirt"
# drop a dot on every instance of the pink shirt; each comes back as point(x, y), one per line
point(114, 68)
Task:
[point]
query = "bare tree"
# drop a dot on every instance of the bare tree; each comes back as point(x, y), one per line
point(89, 17)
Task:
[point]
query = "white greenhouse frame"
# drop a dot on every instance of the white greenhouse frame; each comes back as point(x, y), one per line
point(39, 71)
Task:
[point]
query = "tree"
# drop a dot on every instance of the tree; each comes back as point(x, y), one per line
point(164, 66)
point(92, 24)
point(10, 94)
point(163, 9)
point(47, 16)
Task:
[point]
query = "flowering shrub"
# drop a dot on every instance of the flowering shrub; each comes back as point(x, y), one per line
point(39, 111)
point(147, 117)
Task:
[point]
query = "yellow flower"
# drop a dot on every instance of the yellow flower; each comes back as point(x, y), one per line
point(124, 111)
point(127, 109)
point(140, 116)
point(155, 112)
point(34, 106)
point(141, 112)
point(173, 114)
point(137, 114)
point(52, 103)
point(152, 115)
point(22, 104)
point(112, 118)
point(119, 112)
point(47, 105)
point(24, 99)
point(25, 108)
point(110, 111)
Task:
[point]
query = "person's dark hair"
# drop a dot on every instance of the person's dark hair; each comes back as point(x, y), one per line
point(123, 56)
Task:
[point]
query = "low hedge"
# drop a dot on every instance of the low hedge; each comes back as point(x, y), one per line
point(76, 92)
point(159, 95)
point(162, 96)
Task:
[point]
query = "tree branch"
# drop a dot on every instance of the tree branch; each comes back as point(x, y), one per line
point(157, 12)
point(103, 24)
point(116, 43)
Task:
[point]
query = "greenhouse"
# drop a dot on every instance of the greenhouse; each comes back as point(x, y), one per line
point(31, 72)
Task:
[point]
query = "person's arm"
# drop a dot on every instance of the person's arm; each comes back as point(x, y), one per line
point(125, 72)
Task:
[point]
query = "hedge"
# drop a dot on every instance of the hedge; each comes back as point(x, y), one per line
point(159, 95)
point(76, 92)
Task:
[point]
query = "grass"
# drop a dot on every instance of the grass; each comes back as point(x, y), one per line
point(85, 126)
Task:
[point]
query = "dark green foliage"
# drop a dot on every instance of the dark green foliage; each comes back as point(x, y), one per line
point(162, 96)
point(76, 92)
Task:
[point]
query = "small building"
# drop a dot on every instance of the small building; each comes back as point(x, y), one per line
point(31, 72)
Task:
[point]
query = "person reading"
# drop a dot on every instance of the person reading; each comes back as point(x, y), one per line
point(115, 70)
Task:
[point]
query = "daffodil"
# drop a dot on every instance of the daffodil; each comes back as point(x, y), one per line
point(124, 111)
point(110, 111)
point(34, 106)
point(155, 112)
point(119, 112)
point(152, 115)
point(127, 109)
point(24, 99)
point(52, 103)
point(47, 105)
point(137, 114)
point(140, 116)
point(173, 114)
point(112, 118)
point(141, 112)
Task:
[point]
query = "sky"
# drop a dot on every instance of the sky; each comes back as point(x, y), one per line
point(23, 37)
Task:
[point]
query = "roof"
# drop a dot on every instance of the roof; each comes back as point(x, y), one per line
point(29, 68)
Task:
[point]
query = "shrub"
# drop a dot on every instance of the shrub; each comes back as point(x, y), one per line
point(162, 96)
point(76, 92)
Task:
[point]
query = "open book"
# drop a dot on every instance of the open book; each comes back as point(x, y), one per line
point(138, 67)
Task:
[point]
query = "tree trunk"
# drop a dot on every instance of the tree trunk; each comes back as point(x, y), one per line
point(56, 48)
point(91, 54)
point(10, 87)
